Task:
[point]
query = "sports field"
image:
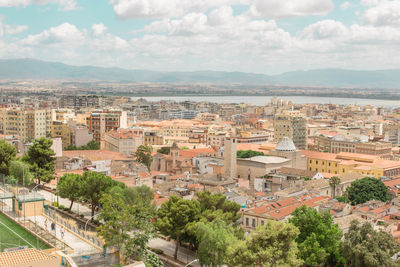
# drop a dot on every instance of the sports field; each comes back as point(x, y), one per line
point(13, 235)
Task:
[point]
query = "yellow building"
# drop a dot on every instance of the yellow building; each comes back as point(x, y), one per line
point(344, 162)
point(63, 131)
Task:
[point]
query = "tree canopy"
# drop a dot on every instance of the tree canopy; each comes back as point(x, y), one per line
point(7, 155)
point(175, 215)
point(143, 155)
point(92, 145)
point(41, 158)
point(95, 185)
point(20, 171)
point(164, 150)
point(365, 189)
point(125, 226)
point(365, 247)
point(244, 154)
point(217, 206)
point(70, 186)
point(214, 238)
point(319, 239)
point(272, 244)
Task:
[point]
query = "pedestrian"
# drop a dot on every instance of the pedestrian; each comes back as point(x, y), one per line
point(53, 226)
point(45, 224)
point(62, 232)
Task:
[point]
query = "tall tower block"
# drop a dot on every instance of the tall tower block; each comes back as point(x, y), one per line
point(230, 169)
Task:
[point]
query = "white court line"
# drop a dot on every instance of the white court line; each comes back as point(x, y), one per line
point(16, 234)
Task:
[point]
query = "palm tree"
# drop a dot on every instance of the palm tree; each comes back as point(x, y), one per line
point(333, 182)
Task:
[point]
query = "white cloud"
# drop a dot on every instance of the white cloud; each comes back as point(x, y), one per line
point(10, 29)
point(289, 8)
point(64, 33)
point(345, 5)
point(15, 29)
point(99, 29)
point(64, 4)
point(130, 9)
point(325, 29)
point(383, 13)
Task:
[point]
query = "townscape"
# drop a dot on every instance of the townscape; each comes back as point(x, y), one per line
point(199, 133)
point(109, 180)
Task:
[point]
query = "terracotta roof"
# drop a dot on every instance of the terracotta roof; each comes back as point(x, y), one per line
point(319, 155)
point(392, 183)
point(123, 134)
point(24, 257)
point(190, 153)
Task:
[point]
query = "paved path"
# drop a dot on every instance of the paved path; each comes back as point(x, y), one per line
point(184, 255)
point(76, 207)
point(80, 247)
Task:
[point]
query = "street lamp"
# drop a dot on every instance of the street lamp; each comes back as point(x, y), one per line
point(90, 219)
point(193, 261)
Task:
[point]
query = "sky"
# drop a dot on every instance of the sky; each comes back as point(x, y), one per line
point(259, 36)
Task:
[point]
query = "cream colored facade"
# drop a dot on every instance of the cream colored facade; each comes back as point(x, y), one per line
point(175, 130)
point(121, 141)
point(292, 125)
point(29, 124)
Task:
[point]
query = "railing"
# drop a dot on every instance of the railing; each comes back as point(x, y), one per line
point(75, 227)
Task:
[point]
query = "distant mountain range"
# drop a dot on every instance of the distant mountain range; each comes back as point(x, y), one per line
point(20, 69)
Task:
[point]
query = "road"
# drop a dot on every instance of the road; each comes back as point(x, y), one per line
point(184, 255)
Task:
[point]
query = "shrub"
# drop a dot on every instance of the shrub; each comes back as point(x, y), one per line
point(157, 251)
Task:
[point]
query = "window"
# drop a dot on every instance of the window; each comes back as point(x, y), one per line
point(253, 223)
point(262, 222)
point(247, 221)
point(316, 162)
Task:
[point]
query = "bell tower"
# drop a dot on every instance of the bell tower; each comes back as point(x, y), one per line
point(230, 169)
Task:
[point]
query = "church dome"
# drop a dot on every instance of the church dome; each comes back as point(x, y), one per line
point(286, 145)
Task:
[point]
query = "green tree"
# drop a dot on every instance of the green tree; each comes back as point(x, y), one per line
point(365, 247)
point(7, 155)
point(214, 238)
point(244, 154)
point(140, 196)
point(92, 145)
point(143, 155)
point(365, 189)
point(319, 239)
point(217, 206)
point(127, 228)
point(271, 245)
point(70, 186)
point(94, 186)
point(164, 150)
point(334, 181)
point(41, 158)
point(20, 172)
point(175, 215)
